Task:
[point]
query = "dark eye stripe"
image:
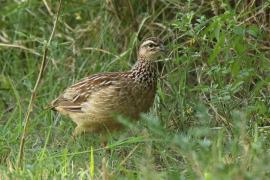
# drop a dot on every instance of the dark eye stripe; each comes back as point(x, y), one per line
point(152, 44)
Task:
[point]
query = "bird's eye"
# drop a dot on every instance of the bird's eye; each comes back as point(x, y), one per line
point(151, 45)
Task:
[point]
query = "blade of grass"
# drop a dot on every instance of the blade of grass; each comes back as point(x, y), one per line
point(91, 163)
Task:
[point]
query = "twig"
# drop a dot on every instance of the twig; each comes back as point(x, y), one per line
point(100, 50)
point(51, 14)
point(254, 16)
point(19, 47)
point(131, 152)
point(47, 7)
point(33, 95)
point(32, 51)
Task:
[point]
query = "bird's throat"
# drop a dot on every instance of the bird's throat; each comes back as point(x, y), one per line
point(145, 72)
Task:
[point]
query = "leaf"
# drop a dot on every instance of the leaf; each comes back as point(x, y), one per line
point(217, 49)
point(4, 82)
point(253, 30)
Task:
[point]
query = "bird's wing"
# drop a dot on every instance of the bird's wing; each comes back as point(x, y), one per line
point(75, 95)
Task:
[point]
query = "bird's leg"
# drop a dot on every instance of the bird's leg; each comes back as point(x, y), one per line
point(77, 131)
point(104, 141)
point(81, 129)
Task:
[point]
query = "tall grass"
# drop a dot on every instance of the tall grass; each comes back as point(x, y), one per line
point(211, 114)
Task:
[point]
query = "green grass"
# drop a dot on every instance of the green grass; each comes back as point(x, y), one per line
point(211, 115)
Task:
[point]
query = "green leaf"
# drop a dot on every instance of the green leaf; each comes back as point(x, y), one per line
point(217, 49)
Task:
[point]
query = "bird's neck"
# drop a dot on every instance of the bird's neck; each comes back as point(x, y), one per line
point(144, 72)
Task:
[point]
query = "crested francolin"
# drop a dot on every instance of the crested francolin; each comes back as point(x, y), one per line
point(93, 102)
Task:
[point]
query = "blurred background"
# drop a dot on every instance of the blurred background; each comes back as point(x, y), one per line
point(211, 117)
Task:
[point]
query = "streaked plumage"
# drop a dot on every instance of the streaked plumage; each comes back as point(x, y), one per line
point(93, 102)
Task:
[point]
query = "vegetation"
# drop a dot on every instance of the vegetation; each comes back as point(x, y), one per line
point(211, 117)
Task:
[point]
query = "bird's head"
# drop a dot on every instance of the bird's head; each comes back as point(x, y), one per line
point(151, 49)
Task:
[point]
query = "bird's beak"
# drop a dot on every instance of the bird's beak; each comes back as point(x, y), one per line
point(162, 48)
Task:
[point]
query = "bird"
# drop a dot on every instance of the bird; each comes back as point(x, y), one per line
point(93, 102)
